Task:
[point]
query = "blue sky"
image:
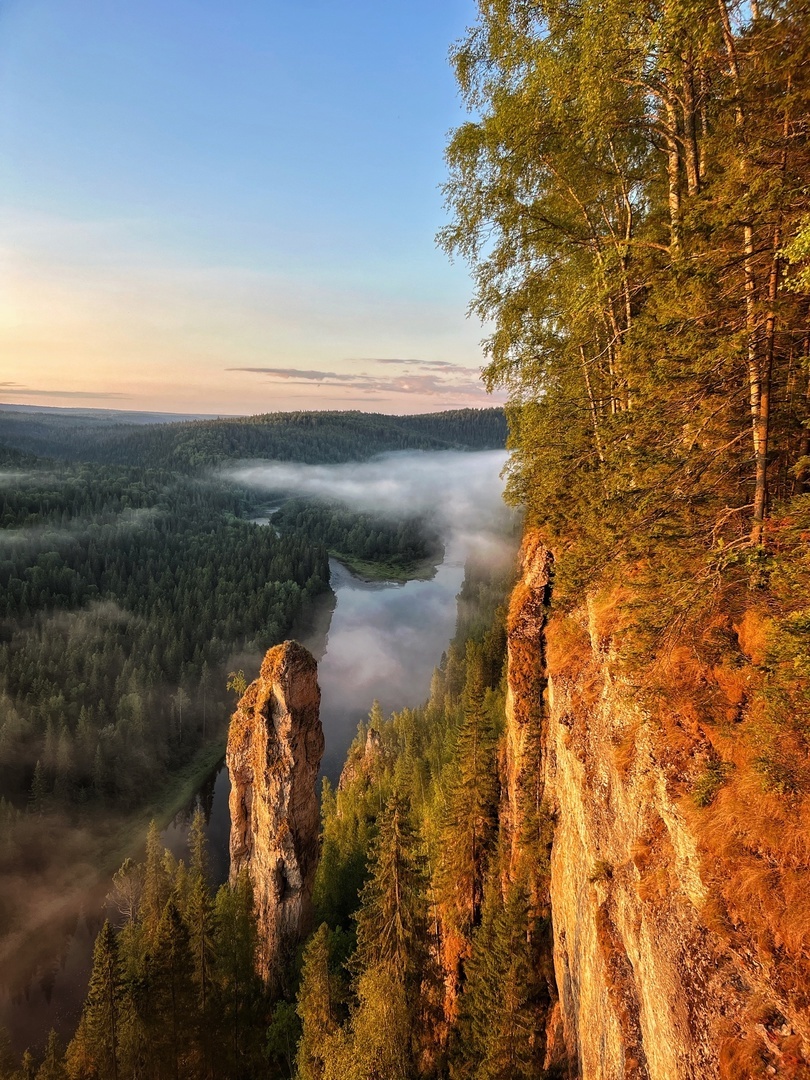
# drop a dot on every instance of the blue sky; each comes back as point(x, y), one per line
point(230, 207)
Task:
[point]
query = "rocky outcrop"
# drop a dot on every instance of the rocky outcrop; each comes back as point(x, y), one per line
point(364, 764)
point(657, 977)
point(275, 745)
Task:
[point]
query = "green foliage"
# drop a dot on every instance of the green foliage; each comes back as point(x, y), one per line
point(319, 1004)
point(392, 919)
point(96, 1048)
point(237, 683)
point(710, 781)
point(401, 545)
point(624, 231)
point(174, 993)
point(123, 591)
point(470, 821)
point(53, 1063)
point(418, 800)
point(500, 1034)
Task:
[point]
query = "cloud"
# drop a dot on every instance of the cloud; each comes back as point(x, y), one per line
point(49, 537)
point(435, 365)
point(438, 379)
point(119, 305)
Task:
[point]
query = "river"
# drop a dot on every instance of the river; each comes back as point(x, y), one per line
point(383, 641)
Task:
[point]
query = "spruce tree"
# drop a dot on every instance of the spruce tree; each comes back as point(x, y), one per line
point(95, 1049)
point(173, 990)
point(317, 1005)
point(471, 816)
point(39, 790)
point(392, 918)
point(156, 885)
point(200, 920)
point(503, 1003)
point(238, 989)
point(53, 1063)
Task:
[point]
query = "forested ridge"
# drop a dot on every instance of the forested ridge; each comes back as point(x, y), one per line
point(311, 437)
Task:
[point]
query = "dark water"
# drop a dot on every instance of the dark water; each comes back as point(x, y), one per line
point(377, 640)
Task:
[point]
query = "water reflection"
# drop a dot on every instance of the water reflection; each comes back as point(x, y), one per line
point(384, 642)
point(213, 800)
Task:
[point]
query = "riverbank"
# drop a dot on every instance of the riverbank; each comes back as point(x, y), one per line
point(389, 572)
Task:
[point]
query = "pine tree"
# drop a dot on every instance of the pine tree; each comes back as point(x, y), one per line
point(237, 989)
point(392, 918)
point(472, 810)
point(8, 1059)
point(156, 884)
point(503, 1003)
point(317, 1005)
point(201, 927)
point(39, 790)
point(53, 1063)
point(173, 989)
point(94, 1050)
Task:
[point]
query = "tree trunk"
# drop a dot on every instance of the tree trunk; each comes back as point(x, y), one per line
point(673, 178)
point(690, 139)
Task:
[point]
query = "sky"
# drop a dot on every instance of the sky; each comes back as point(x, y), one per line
point(214, 207)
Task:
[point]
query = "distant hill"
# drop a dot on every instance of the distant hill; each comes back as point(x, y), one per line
point(114, 416)
point(311, 437)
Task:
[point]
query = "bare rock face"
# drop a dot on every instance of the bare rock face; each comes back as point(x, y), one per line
point(275, 745)
point(655, 980)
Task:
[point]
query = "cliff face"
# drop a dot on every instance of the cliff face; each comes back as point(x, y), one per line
point(275, 744)
point(658, 977)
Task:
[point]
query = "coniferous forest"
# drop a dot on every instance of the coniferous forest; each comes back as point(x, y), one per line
point(131, 600)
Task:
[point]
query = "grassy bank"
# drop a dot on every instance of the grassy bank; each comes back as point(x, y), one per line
point(378, 570)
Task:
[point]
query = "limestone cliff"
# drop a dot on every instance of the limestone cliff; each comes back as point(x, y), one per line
point(275, 744)
point(662, 971)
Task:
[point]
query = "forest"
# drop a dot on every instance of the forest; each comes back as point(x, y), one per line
point(631, 195)
point(396, 549)
point(310, 437)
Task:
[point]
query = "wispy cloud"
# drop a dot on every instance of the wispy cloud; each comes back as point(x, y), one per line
point(429, 365)
point(461, 491)
point(431, 378)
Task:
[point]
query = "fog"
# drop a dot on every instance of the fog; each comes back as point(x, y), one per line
point(461, 491)
point(49, 537)
point(385, 640)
